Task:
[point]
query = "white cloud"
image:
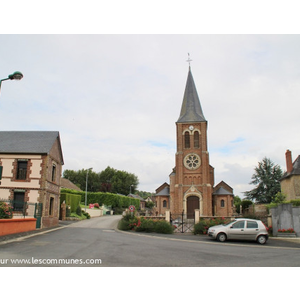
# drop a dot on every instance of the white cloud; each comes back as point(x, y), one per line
point(115, 98)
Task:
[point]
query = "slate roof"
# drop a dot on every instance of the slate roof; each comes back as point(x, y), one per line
point(67, 184)
point(222, 191)
point(191, 110)
point(28, 142)
point(296, 169)
point(164, 192)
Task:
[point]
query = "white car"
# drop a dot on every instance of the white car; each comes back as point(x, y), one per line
point(240, 229)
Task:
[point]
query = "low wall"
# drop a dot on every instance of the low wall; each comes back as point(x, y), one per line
point(285, 216)
point(94, 212)
point(11, 226)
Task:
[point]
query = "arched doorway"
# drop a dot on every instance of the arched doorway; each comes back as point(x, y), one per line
point(192, 204)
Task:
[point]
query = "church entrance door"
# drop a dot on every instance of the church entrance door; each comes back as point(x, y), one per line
point(192, 204)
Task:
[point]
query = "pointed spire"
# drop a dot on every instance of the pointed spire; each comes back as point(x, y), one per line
point(191, 110)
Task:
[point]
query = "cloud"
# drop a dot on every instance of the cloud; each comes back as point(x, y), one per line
point(115, 98)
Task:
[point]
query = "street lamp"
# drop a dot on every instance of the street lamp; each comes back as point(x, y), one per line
point(86, 182)
point(15, 76)
point(130, 188)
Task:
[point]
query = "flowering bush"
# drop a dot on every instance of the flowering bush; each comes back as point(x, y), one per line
point(129, 222)
point(290, 230)
point(270, 230)
point(203, 225)
point(5, 211)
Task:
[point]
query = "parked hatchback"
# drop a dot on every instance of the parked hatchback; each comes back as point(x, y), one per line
point(240, 229)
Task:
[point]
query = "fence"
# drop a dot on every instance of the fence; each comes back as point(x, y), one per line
point(22, 209)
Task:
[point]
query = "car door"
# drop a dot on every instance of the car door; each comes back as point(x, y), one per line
point(237, 230)
point(251, 230)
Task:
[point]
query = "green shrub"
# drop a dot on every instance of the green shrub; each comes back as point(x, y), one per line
point(86, 214)
point(163, 226)
point(123, 225)
point(202, 226)
point(78, 210)
point(245, 204)
point(146, 225)
point(129, 222)
point(296, 202)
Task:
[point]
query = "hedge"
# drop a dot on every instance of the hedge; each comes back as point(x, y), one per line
point(70, 199)
point(107, 199)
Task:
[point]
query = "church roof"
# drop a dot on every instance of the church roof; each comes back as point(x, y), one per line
point(164, 192)
point(222, 191)
point(191, 110)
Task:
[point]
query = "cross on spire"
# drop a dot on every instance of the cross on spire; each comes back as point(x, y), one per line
point(189, 60)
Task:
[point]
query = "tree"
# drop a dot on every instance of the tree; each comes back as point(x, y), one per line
point(267, 180)
point(110, 180)
point(79, 179)
point(237, 201)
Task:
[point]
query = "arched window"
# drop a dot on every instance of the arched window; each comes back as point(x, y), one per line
point(165, 203)
point(222, 203)
point(187, 140)
point(196, 139)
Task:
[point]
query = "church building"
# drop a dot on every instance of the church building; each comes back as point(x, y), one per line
point(191, 184)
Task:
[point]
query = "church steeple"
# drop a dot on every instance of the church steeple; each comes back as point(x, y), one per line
point(191, 110)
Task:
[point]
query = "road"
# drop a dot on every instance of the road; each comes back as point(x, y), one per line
point(97, 243)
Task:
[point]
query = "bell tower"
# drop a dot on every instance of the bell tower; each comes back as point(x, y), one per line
point(192, 179)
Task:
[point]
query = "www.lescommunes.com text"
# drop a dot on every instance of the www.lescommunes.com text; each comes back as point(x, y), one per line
point(50, 261)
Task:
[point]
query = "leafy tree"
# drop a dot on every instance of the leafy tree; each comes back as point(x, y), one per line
point(144, 194)
point(267, 180)
point(79, 179)
point(110, 180)
point(237, 201)
point(279, 198)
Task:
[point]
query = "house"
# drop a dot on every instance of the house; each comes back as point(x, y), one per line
point(290, 181)
point(162, 199)
point(32, 164)
point(142, 201)
point(67, 184)
point(223, 200)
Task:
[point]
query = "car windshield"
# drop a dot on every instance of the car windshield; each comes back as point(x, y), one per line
point(229, 224)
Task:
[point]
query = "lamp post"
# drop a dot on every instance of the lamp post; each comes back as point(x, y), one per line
point(130, 188)
point(86, 183)
point(15, 76)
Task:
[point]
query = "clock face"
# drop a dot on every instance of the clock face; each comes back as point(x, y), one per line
point(192, 161)
point(191, 127)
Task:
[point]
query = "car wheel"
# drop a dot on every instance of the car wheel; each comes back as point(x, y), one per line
point(221, 237)
point(261, 239)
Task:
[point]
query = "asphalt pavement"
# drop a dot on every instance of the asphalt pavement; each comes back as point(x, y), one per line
point(272, 241)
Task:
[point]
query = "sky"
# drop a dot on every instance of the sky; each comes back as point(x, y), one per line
point(115, 98)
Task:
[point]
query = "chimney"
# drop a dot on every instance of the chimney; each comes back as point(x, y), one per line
point(289, 164)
